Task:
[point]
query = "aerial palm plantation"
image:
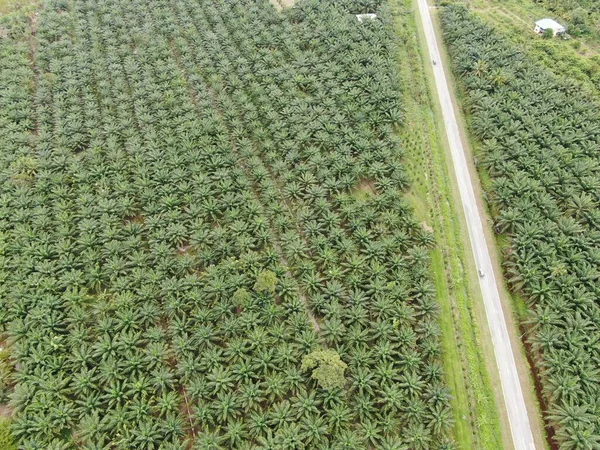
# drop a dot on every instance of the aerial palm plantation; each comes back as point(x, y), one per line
point(540, 140)
point(204, 241)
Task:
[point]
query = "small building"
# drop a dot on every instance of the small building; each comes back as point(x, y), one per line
point(362, 17)
point(549, 24)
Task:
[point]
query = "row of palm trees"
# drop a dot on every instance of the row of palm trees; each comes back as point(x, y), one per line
point(311, 210)
point(540, 138)
point(168, 154)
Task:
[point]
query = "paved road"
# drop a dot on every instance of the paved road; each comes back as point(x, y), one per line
point(511, 386)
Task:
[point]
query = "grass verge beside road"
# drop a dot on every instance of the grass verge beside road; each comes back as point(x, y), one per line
point(477, 423)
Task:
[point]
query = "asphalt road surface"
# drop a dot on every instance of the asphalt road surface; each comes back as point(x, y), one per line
point(509, 378)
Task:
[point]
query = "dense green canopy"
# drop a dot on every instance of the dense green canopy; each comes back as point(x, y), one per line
point(183, 218)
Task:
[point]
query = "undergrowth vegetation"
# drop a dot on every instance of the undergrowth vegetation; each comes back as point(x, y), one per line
point(185, 261)
point(540, 137)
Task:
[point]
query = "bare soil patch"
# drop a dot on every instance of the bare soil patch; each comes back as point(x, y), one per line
point(364, 189)
point(138, 218)
point(280, 4)
point(5, 411)
point(367, 186)
point(184, 248)
point(427, 227)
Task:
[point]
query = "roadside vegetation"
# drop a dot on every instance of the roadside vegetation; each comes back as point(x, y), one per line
point(539, 137)
point(204, 237)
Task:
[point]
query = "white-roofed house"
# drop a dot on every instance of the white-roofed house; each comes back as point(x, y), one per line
point(549, 24)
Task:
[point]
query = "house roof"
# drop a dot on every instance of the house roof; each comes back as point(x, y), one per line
point(549, 23)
